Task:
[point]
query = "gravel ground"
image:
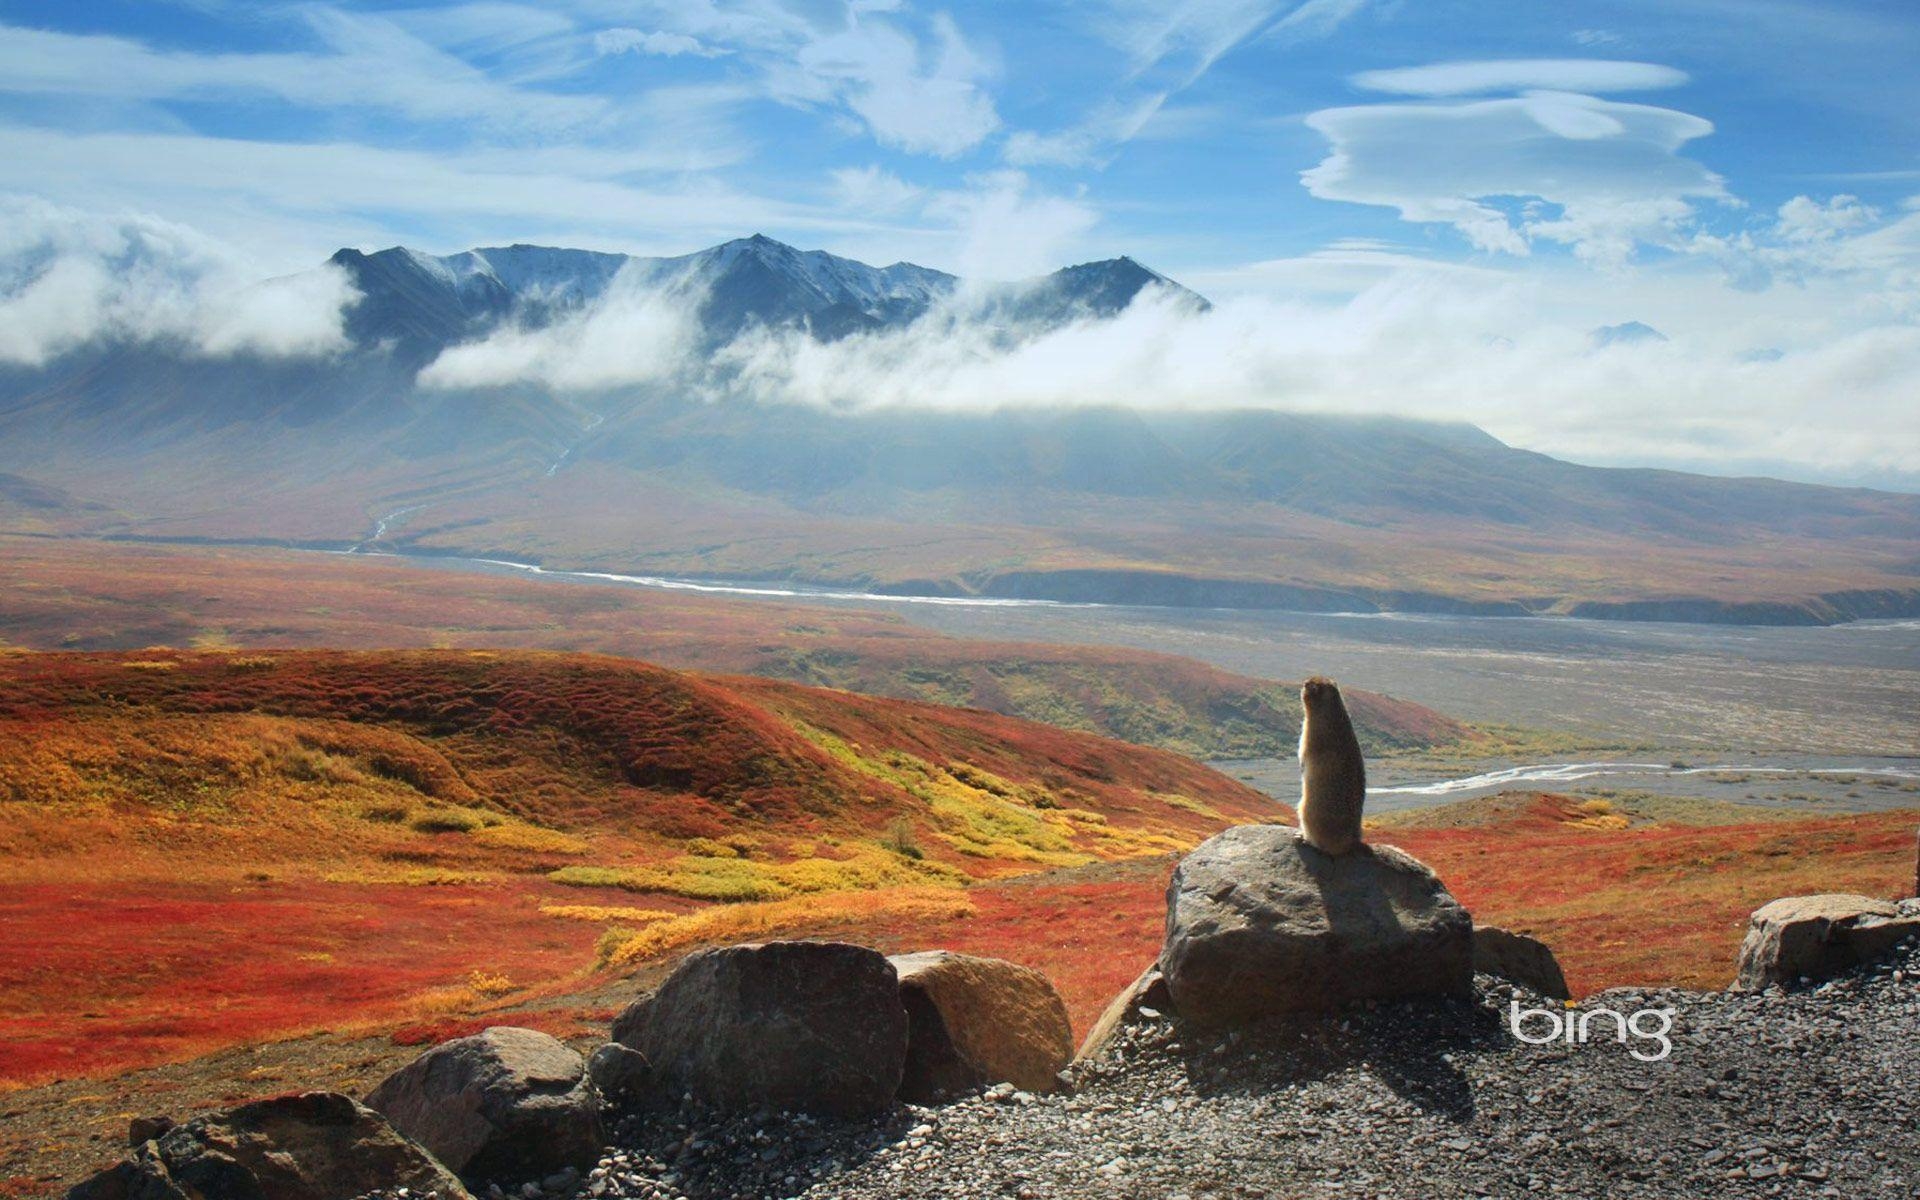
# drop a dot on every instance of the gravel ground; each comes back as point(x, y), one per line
point(1810, 1093)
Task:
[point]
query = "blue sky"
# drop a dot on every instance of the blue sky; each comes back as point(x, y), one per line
point(1741, 174)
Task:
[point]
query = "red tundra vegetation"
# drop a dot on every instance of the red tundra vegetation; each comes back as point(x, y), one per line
point(208, 849)
point(212, 848)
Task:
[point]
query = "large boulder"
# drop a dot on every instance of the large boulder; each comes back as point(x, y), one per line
point(978, 1021)
point(316, 1146)
point(1259, 922)
point(507, 1105)
point(1519, 959)
point(809, 1026)
point(1145, 996)
point(1817, 937)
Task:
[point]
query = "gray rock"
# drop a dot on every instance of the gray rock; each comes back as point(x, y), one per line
point(1519, 959)
point(505, 1105)
point(141, 1130)
point(815, 1027)
point(1818, 937)
point(316, 1146)
point(144, 1176)
point(978, 1021)
point(1259, 922)
point(622, 1075)
point(1148, 991)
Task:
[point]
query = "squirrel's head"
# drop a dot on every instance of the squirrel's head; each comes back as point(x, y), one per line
point(1318, 691)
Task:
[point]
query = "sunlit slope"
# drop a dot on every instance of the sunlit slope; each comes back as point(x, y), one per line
point(307, 757)
point(200, 850)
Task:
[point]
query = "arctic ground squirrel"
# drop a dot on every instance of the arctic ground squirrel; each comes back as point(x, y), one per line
point(1333, 778)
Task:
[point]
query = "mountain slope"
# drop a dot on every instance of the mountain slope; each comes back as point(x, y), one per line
point(687, 475)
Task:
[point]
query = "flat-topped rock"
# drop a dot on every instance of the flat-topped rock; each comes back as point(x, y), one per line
point(1818, 937)
point(1259, 922)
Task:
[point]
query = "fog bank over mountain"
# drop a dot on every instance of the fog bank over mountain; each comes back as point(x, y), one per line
point(757, 320)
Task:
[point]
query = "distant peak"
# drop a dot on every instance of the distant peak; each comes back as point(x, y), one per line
point(1125, 263)
point(1626, 333)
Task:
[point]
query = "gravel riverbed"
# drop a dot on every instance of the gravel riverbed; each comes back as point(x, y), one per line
point(1805, 1093)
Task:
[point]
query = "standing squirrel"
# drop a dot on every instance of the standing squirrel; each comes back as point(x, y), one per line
point(1333, 778)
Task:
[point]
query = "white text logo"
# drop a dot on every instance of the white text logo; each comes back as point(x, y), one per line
point(1574, 1027)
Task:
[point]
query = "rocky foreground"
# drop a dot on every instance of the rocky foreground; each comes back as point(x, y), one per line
point(1332, 1038)
point(1804, 1093)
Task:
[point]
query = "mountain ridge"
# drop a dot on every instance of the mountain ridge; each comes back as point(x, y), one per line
point(737, 284)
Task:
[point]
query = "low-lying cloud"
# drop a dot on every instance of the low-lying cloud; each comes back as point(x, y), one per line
point(70, 278)
point(1409, 346)
point(639, 331)
point(1812, 380)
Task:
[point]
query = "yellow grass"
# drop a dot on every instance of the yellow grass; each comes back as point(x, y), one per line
point(699, 877)
point(737, 922)
point(531, 838)
point(604, 912)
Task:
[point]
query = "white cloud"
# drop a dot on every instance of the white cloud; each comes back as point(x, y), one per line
point(916, 86)
point(1609, 175)
point(1511, 354)
point(69, 278)
point(1335, 272)
point(639, 332)
point(1007, 229)
point(1804, 219)
point(1519, 74)
point(921, 99)
point(873, 189)
point(639, 41)
point(1838, 240)
point(1597, 37)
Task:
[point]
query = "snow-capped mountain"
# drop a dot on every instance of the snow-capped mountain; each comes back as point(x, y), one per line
point(418, 304)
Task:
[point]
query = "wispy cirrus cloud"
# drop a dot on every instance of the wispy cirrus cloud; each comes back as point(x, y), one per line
point(1168, 49)
point(361, 61)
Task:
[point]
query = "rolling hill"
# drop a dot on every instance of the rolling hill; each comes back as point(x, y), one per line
point(312, 838)
point(442, 428)
point(66, 594)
